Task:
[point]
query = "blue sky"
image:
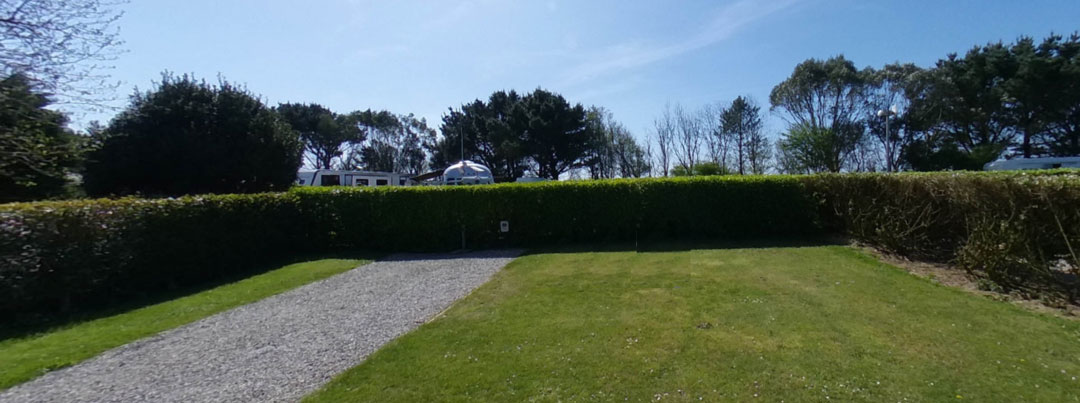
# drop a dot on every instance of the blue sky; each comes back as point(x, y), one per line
point(631, 57)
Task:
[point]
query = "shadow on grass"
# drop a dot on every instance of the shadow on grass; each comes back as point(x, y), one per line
point(507, 251)
point(31, 323)
point(688, 245)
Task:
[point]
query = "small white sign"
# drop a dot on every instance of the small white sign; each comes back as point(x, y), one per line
point(504, 226)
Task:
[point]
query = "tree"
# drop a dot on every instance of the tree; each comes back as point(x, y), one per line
point(633, 160)
point(601, 160)
point(665, 127)
point(690, 131)
point(190, 137)
point(809, 149)
point(759, 153)
point(1062, 126)
point(396, 145)
point(889, 92)
point(62, 47)
point(37, 151)
point(613, 153)
point(960, 109)
point(512, 134)
point(701, 169)
point(556, 137)
point(481, 130)
point(1019, 99)
point(322, 131)
point(741, 124)
point(1043, 95)
point(824, 98)
point(717, 142)
point(942, 154)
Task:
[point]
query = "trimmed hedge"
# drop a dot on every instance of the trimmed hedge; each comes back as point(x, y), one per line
point(53, 254)
point(559, 212)
point(1021, 230)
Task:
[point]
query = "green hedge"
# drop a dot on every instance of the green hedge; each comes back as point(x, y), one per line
point(1021, 230)
point(53, 254)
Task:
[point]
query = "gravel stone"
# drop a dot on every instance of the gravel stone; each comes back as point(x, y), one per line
point(277, 349)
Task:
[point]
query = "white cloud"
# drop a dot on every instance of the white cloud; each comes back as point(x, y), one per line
point(728, 21)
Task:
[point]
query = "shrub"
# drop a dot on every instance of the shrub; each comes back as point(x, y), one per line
point(1021, 230)
point(53, 254)
point(56, 253)
point(559, 212)
point(36, 150)
point(189, 137)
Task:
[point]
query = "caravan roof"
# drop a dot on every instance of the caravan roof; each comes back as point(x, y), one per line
point(467, 173)
point(1033, 163)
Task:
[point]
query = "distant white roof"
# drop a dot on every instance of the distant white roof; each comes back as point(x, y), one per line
point(1033, 163)
point(467, 172)
point(347, 172)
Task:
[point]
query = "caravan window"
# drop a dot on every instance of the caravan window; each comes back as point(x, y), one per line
point(362, 182)
point(380, 182)
point(330, 180)
point(401, 182)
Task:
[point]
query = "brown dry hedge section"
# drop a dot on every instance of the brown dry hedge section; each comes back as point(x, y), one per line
point(1018, 230)
point(1014, 227)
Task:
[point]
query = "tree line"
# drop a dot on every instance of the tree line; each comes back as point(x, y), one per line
point(713, 140)
point(999, 100)
point(188, 136)
point(539, 133)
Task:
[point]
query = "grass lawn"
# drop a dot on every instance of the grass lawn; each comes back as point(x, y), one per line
point(26, 357)
point(775, 324)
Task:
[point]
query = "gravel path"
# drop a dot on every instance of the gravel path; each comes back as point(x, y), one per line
point(277, 349)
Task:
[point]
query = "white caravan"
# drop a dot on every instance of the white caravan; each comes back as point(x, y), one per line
point(1017, 164)
point(330, 177)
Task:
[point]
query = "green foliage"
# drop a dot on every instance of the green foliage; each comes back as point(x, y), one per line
point(888, 100)
point(963, 104)
point(1018, 99)
point(808, 149)
point(395, 145)
point(488, 136)
point(701, 169)
point(996, 100)
point(37, 151)
point(613, 152)
point(943, 154)
point(322, 131)
point(1021, 230)
point(190, 137)
point(741, 124)
point(511, 134)
point(57, 253)
point(825, 104)
point(555, 133)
